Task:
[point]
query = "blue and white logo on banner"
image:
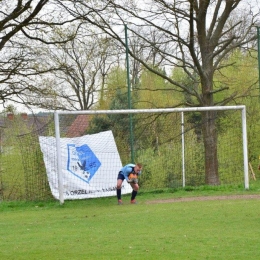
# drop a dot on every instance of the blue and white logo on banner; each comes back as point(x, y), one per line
point(82, 162)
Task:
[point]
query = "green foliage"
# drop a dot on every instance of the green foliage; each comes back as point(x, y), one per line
point(163, 170)
point(115, 86)
point(10, 109)
point(154, 92)
point(12, 177)
point(179, 75)
point(19, 151)
point(36, 183)
point(239, 74)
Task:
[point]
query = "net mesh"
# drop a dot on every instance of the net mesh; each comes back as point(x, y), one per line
point(157, 139)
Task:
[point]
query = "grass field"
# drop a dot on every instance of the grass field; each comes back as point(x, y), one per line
point(100, 229)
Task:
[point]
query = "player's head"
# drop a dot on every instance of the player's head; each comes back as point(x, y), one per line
point(138, 167)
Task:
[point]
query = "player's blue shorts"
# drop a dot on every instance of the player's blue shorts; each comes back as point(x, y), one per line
point(120, 176)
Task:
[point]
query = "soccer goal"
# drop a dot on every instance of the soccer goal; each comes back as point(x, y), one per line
point(90, 147)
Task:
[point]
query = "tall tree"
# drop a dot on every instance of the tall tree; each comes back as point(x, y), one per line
point(198, 34)
point(77, 72)
point(23, 23)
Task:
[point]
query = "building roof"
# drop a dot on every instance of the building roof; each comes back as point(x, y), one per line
point(78, 126)
point(31, 122)
point(69, 124)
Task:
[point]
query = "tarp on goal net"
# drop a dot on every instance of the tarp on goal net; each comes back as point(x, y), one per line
point(90, 165)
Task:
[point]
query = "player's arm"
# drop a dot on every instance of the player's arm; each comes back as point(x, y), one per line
point(126, 173)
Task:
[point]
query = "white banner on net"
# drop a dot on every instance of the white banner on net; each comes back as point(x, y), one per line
point(90, 165)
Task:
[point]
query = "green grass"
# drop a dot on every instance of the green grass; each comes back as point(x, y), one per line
point(100, 229)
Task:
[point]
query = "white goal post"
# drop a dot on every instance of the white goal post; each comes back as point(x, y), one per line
point(162, 110)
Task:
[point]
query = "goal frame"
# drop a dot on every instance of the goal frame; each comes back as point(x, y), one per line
point(159, 110)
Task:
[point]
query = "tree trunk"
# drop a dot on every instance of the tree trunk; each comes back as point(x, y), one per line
point(210, 145)
point(209, 130)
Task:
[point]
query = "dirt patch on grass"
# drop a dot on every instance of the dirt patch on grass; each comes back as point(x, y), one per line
point(203, 198)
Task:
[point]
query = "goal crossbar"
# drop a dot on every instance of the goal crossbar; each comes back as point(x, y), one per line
point(155, 110)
